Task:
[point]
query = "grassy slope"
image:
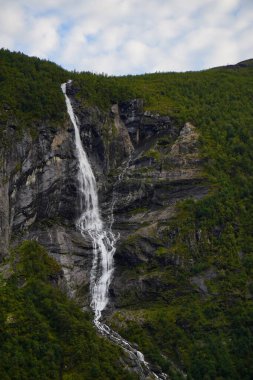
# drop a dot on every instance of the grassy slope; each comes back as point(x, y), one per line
point(211, 336)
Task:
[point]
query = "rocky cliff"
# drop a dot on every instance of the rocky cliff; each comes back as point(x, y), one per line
point(143, 164)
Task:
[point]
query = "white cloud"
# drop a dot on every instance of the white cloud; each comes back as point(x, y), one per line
point(11, 25)
point(43, 37)
point(130, 36)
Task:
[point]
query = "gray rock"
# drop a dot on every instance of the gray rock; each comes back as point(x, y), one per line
point(39, 188)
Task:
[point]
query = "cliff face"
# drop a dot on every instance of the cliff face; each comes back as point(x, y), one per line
point(144, 165)
point(146, 203)
point(39, 190)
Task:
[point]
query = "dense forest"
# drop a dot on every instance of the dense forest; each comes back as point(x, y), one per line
point(209, 337)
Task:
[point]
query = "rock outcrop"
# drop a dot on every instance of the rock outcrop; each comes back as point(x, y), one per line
point(146, 200)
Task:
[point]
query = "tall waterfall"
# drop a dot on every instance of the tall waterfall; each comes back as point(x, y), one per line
point(90, 222)
point(103, 241)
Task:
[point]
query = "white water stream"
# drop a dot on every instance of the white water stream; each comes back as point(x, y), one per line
point(103, 241)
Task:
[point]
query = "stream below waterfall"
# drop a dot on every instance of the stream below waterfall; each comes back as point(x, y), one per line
point(104, 247)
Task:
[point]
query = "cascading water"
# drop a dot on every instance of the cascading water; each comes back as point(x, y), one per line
point(103, 241)
point(90, 222)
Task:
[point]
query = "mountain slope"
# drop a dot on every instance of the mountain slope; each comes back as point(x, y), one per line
point(173, 152)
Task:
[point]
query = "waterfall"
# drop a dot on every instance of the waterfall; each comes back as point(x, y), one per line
point(103, 241)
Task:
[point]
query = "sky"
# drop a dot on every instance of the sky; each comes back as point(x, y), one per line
point(119, 37)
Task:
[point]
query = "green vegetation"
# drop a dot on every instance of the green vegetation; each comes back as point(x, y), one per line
point(152, 153)
point(29, 92)
point(208, 337)
point(43, 335)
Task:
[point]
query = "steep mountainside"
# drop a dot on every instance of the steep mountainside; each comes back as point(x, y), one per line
point(172, 155)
